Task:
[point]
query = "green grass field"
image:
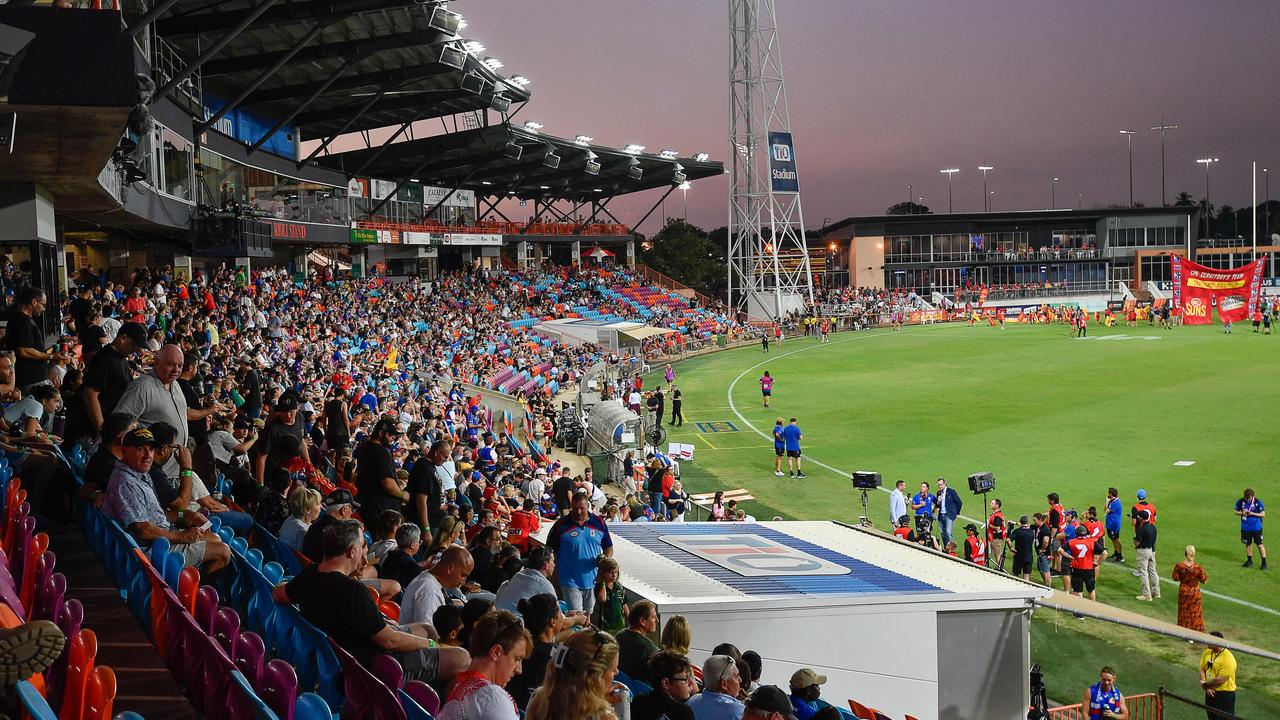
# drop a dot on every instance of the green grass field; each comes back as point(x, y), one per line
point(1044, 413)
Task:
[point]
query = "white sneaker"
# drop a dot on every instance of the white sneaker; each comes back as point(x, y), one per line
point(778, 473)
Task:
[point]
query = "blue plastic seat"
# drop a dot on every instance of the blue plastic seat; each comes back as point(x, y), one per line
point(311, 706)
point(34, 703)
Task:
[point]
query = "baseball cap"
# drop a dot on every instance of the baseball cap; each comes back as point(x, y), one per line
point(1082, 531)
point(243, 423)
point(1072, 512)
point(138, 437)
point(340, 497)
point(135, 332)
point(804, 677)
point(771, 699)
point(287, 402)
point(1142, 494)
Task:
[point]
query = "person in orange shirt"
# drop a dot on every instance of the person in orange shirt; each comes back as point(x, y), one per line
point(1079, 550)
point(524, 522)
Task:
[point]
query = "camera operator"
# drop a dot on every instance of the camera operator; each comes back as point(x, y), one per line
point(903, 530)
point(924, 532)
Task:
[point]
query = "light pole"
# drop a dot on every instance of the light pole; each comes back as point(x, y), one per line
point(910, 210)
point(1079, 201)
point(984, 168)
point(991, 201)
point(1266, 217)
point(684, 188)
point(949, 172)
point(1129, 136)
point(1053, 192)
point(1206, 162)
point(1160, 129)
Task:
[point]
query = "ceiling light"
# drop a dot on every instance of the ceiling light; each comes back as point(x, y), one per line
point(543, 187)
point(684, 185)
point(596, 190)
point(633, 149)
point(701, 157)
point(485, 182)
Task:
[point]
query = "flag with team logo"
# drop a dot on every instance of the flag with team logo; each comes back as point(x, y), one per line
point(1197, 289)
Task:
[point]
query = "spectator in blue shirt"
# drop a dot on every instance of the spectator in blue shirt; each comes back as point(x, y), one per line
point(791, 437)
point(1113, 522)
point(578, 539)
point(719, 697)
point(1251, 511)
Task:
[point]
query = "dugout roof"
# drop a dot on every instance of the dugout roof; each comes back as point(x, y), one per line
point(525, 163)
point(337, 66)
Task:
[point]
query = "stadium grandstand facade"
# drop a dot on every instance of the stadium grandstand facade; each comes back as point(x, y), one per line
point(191, 134)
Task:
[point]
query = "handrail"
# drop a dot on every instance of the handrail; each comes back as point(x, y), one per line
point(668, 283)
point(502, 228)
point(1147, 706)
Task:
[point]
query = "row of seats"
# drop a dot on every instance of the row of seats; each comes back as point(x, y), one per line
point(73, 687)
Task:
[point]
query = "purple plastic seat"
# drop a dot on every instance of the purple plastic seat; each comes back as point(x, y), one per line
point(387, 669)
point(279, 688)
point(226, 628)
point(206, 608)
point(249, 654)
point(70, 618)
point(49, 599)
point(366, 697)
point(9, 589)
point(424, 695)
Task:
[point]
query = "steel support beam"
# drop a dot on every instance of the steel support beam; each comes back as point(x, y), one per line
point(323, 51)
point(655, 206)
point(297, 109)
point(393, 78)
point(412, 100)
point(373, 99)
point(149, 16)
point(208, 22)
point(258, 81)
point(377, 153)
point(403, 182)
point(213, 49)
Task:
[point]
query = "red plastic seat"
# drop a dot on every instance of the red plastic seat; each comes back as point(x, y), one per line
point(100, 694)
point(80, 655)
point(188, 588)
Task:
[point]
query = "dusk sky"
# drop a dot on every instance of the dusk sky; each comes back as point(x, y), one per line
point(886, 93)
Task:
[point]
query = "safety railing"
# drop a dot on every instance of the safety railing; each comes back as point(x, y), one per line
point(1176, 707)
point(1147, 706)
point(494, 228)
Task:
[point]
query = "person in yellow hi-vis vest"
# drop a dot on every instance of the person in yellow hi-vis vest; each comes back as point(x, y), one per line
point(1218, 677)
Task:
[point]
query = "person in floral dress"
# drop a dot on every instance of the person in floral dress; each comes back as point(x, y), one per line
point(1190, 576)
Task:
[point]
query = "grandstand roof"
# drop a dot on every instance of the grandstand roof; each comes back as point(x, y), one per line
point(1006, 216)
point(860, 567)
point(516, 159)
point(401, 58)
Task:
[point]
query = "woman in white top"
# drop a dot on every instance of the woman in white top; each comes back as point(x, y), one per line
point(498, 645)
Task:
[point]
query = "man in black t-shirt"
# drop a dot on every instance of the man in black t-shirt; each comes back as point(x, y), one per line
point(673, 682)
point(376, 480)
point(337, 421)
point(284, 421)
point(1044, 543)
point(562, 491)
point(426, 487)
point(329, 598)
point(1023, 541)
point(105, 380)
point(25, 338)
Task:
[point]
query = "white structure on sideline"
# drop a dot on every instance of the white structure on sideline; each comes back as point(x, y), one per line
point(893, 626)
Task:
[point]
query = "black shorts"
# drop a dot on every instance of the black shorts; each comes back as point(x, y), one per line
point(1249, 537)
point(779, 451)
point(1113, 534)
point(793, 453)
point(1082, 580)
point(1021, 567)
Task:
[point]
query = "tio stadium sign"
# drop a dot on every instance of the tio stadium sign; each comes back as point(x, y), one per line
point(782, 163)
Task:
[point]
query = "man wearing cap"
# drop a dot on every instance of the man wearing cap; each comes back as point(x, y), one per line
point(1139, 506)
point(768, 702)
point(671, 676)
point(338, 506)
point(719, 697)
point(155, 397)
point(379, 488)
point(805, 691)
point(131, 501)
point(1146, 544)
point(105, 379)
point(284, 421)
point(1078, 550)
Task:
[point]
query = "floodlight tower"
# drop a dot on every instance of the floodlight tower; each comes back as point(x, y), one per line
point(766, 223)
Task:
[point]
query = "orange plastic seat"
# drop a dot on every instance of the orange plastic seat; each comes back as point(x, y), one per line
point(80, 655)
point(100, 694)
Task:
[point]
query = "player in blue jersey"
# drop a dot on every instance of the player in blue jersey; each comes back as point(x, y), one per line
point(1113, 522)
point(1103, 699)
point(1251, 511)
point(791, 437)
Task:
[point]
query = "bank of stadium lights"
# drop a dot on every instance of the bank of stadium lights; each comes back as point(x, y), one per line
point(668, 154)
point(633, 149)
point(532, 126)
point(462, 23)
point(473, 46)
point(702, 157)
point(583, 139)
point(519, 80)
point(492, 63)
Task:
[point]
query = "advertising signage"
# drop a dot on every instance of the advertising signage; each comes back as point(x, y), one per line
point(782, 163)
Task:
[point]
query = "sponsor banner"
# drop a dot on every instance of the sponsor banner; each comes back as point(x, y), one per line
point(388, 237)
point(919, 316)
point(460, 198)
point(437, 239)
point(422, 238)
point(361, 236)
point(383, 188)
point(1197, 288)
point(782, 163)
point(753, 555)
point(358, 187)
point(1271, 282)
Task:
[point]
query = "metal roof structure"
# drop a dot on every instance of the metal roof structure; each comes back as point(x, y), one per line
point(524, 163)
point(331, 67)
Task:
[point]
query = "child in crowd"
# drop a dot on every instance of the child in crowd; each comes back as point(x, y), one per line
point(384, 540)
point(611, 598)
point(447, 621)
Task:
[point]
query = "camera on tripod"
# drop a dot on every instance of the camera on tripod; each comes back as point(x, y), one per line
point(866, 480)
point(983, 482)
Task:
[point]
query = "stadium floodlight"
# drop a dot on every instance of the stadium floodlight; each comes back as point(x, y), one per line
point(668, 154)
point(492, 63)
point(583, 139)
point(472, 82)
point(592, 166)
point(452, 56)
point(474, 47)
point(685, 185)
point(633, 149)
point(635, 172)
point(702, 157)
point(462, 23)
point(519, 80)
point(513, 151)
point(532, 126)
point(949, 172)
point(485, 182)
point(544, 187)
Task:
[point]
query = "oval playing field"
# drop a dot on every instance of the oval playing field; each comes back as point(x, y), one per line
point(1044, 412)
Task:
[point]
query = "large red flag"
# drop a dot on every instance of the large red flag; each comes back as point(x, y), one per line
point(1196, 288)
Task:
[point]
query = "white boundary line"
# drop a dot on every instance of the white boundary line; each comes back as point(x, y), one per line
point(844, 473)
